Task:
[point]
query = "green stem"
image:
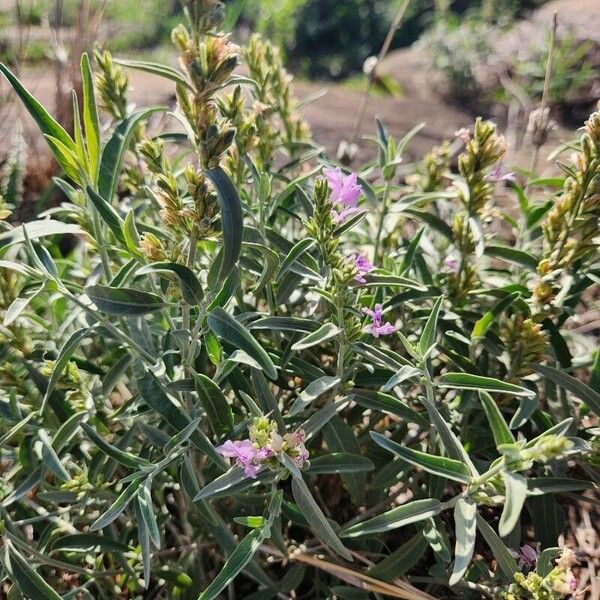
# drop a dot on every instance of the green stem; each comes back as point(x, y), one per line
point(384, 209)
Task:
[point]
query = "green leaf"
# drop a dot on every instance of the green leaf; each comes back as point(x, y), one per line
point(123, 301)
point(121, 456)
point(339, 462)
point(36, 230)
point(231, 330)
point(483, 324)
point(62, 360)
point(538, 486)
point(467, 381)
point(284, 324)
point(156, 69)
point(19, 570)
point(506, 563)
point(405, 372)
point(500, 430)
point(517, 257)
point(465, 513)
point(270, 267)
point(221, 484)
point(515, 493)
point(117, 507)
point(427, 339)
point(452, 444)
point(294, 254)
point(147, 511)
point(324, 333)
point(401, 560)
point(313, 390)
point(67, 159)
point(577, 388)
point(215, 404)
point(112, 155)
point(546, 561)
point(315, 517)
point(108, 214)
point(45, 122)
point(87, 542)
point(387, 404)
point(412, 512)
point(238, 560)
point(438, 465)
point(91, 120)
point(191, 288)
point(232, 222)
point(154, 396)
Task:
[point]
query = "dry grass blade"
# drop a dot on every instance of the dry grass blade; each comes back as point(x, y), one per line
point(361, 581)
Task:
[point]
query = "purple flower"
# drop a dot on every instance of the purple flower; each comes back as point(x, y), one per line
point(451, 263)
point(527, 556)
point(377, 327)
point(498, 175)
point(345, 192)
point(363, 266)
point(245, 454)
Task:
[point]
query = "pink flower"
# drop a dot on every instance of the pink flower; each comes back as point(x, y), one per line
point(498, 175)
point(527, 556)
point(463, 134)
point(245, 454)
point(377, 327)
point(363, 266)
point(451, 263)
point(345, 192)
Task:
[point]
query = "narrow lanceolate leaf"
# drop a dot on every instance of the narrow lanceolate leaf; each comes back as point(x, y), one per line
point(91, 120)
point(405, 372)
point(27, 579)
point(238, 560)
point(156, 69)
point(313, 390)
point(87, 542)
point(232, 331)
point(506, 563)
point(438, 465)
point(577, 388)
point(232, 222)
point(339, 462)
point(121, 456)
point(324, 333)
point(389, 404)
point(107, 213)
point(452, 444)
point(465, 513)
point(294, 254)
point(123, 301)
point(427, 339)
point(466, 381)
point(46, 123)
point(112, 155)
point(215, 404)
point(315, 517)
point(118, 506)
point(500, 430)
point(538, 486)
point(62, 360)
point(221, 484)
point(515, 493)
point(191, 288)
point(147, 511)
point(419, 510)
point(483, 324)
point(154, 396)
point(34, 231)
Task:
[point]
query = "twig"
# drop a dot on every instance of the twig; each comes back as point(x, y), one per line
point(395, 25)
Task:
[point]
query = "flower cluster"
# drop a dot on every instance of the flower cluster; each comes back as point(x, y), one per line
point(559, 583)
point(377, 327)
point(263, 445)
point(345, 192)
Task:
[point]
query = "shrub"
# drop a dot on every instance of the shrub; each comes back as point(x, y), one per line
point(260, 373)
